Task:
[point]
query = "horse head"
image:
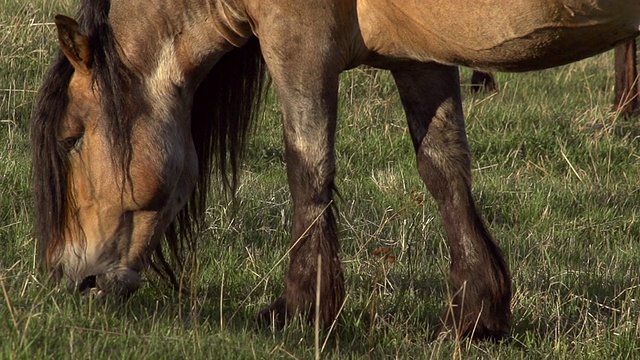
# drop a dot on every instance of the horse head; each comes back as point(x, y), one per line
point(113, 162)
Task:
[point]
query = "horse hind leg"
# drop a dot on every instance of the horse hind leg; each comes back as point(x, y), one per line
point(479, 278)
point(627, 97)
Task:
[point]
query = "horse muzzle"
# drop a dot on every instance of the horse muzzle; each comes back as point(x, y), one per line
point(121, 283)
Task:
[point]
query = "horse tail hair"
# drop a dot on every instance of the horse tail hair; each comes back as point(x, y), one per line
point(225, 107)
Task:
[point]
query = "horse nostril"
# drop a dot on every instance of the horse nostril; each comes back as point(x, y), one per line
point(87, 284)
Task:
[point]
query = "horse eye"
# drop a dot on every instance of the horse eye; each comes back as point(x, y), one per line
point(69, 143)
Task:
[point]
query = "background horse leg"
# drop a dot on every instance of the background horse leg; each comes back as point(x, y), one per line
point(307, 90)
point(479, 280)
point(483, 81)
point(627, 99)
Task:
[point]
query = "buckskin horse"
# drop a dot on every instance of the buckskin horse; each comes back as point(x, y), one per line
point(148, 98)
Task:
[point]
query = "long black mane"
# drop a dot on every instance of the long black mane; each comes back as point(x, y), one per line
point(224, 109)
point(49, 158)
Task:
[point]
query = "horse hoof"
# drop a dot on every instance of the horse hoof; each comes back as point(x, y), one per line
point(274, 315)
point(479, 332)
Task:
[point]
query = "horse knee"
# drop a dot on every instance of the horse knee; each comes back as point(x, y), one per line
point(444, 163)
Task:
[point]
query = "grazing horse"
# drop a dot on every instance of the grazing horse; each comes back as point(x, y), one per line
point(627, 90)
point(148, 98)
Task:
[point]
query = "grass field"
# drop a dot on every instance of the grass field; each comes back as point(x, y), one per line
point(556, 176)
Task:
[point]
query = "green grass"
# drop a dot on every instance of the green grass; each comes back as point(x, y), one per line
point(557, 178)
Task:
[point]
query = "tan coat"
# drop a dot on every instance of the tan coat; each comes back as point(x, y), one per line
point(516, 35)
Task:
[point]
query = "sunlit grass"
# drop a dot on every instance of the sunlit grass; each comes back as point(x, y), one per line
point(556, 176)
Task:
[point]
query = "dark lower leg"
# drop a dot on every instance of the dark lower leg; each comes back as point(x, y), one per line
point(479, 279)
point(315, 243)
point(314, 236)
point(627, 99)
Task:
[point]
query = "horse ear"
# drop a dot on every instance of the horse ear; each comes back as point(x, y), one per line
point(74, 45)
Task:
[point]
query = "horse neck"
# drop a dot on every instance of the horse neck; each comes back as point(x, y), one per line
point(178, 40)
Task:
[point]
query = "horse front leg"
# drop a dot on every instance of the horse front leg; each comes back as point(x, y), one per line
point(479, 278)
point(309, 105)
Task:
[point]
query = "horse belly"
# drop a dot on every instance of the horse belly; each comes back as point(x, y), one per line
point(497, 35)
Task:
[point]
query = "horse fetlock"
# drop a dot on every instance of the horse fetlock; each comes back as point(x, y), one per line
point(479, 308)
point(300, 303)
point(285, 309)
point(274, 315)
point(473, 324)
